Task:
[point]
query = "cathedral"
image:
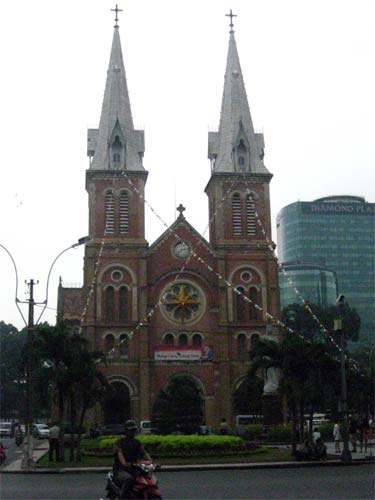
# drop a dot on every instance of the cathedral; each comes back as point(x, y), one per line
point(181, 306)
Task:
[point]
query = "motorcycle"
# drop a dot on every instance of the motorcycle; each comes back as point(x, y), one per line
point(145, 483)
point(18, 439)
point(2, 454)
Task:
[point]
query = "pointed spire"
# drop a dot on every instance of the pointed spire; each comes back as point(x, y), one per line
point(117, 144)
point(235, 147)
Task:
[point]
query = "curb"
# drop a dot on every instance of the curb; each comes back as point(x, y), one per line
point(202, 467)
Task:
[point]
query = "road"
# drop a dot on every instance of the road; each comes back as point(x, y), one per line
point(328, 483)
point(11, 450)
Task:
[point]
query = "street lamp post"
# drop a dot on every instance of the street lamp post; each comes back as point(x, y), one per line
point(340, 304)
point(28, 460)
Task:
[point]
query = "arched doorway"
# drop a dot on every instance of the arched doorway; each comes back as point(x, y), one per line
point(116, 406)
point(247, 396)
point(179, 406)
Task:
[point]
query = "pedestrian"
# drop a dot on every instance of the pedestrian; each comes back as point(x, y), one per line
point(316, 435)
point(320, 450)
point(203, 429)
point(353, 433)
point(224, 428)
point(337, 437)
point(54, 442)
point(364, 430)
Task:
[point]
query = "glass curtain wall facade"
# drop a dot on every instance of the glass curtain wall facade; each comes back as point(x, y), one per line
point(337, 232)
point(316, 284)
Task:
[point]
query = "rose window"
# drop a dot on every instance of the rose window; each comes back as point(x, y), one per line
point(183, 303)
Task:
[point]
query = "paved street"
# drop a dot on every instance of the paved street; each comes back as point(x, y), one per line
point(346, 483)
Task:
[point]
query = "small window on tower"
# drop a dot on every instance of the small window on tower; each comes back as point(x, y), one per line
point(116, 157)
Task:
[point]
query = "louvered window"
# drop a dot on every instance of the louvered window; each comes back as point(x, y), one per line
point(236, 215)
point(250, 217)
point(124, 213)
point(109, 213)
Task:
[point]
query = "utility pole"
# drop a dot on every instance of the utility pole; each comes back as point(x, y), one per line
point(28, 459)
point(340, 304)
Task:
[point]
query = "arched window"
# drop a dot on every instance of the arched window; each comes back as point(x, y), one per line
point(123, 303)
point(250, 217)
point(242, 156)
point(241, 346)
point(253, 341)
point(124, 213)
point(169, 340)
point(109, 303)
point(197, 340)
point(240, 304)
point(109, 213)
point(116, 152)
point(109, 344)
point(236, 215)
point(182, 339)
point(253, 296)
point(124, 345)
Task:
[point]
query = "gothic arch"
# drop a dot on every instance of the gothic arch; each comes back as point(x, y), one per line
point(189, 375)
point(261, 288)
point(126, 381)
point(120, 266)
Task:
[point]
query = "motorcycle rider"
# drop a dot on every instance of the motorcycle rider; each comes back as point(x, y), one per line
point(129, 451)
point(18, 435)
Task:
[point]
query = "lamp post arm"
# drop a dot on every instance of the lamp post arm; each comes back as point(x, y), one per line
point(16, 293)
point(48, 277)
point(81, 241)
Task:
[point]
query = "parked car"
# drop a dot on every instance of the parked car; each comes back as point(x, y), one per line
point(40, 431)
point(5, 428)
point(112, 429)
point(146, 427)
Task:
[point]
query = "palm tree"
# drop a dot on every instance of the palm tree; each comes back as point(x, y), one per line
point(72, 370)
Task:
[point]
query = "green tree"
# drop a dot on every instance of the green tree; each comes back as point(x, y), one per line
point(361, 385)
point(307, 370)
point(12, 371)
point(299, 318)
point(179, 403)
point(73, 371)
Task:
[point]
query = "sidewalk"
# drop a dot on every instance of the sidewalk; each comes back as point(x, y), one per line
point(357, 459)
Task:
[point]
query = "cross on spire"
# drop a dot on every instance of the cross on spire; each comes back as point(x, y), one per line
point(231, 15)
point(181, 209)
point(117, 10)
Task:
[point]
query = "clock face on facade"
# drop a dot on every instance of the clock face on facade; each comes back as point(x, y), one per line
point(183, 302)
point(181, 250)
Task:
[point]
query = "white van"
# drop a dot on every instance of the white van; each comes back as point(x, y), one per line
point(145, 427)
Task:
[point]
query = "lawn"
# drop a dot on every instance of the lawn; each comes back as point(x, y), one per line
point(261, 454)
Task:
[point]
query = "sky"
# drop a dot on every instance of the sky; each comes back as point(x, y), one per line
point(309, 72)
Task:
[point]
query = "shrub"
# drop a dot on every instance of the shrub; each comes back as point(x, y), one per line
point(279, 433)
point(252, 432)
point(326, 430)
point(172, 445)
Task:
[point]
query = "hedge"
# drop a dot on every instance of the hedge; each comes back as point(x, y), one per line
point(280, 433)
point(179, 445)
